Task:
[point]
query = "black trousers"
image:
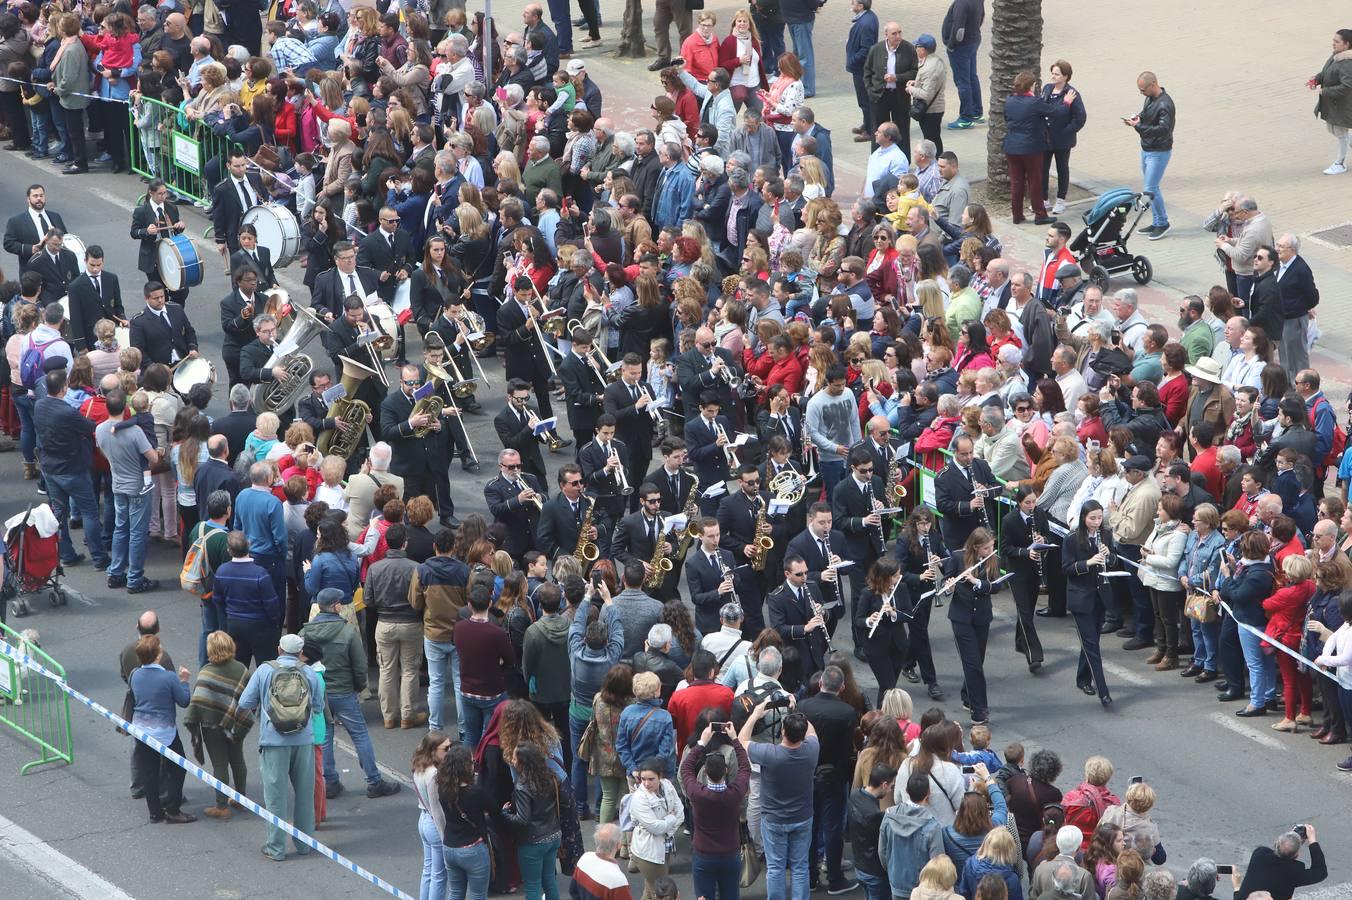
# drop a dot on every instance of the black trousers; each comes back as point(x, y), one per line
point(75, 127)
point(931, 127)
point(1090, 668)
point(971, 639)
point(155, 778)
point(1062, 158)
point(886, 661)
point(15, 116)
point(557, 714)
point(1056, 585)
point(1024, 588)
point(895, 107)
point(858, 573)
point(441, 479)
point(419, 485)
point(918, 652)
point(113, 119)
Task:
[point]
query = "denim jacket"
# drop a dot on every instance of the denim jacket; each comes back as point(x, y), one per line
point(1201, 558)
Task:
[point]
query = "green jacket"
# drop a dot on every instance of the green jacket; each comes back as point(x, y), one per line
point(1199, 340)
point(344, 655)
point(544, 660)
point(72, 76)
point(606, 158)
point(538, 174)
point(1335, 100)
point(964, 305)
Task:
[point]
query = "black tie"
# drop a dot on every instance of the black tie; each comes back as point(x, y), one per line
point(389, 239)
point(98, 286)
point(652, 531)
point(713, 563)
point(826, 552)
point(46, 222)
point(676, 487)
point(244, 195)
point(633, 393)
point(352, 283)
point(576, 517)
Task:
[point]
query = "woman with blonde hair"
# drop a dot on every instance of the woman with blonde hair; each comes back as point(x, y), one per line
point(506, 167)
point(1133, 817)
point(214, 95)
point(820, 359)
point(103, 354)
point(361, 49)
point(215, 723)
point(930, 297)
point(813, 173)
point(886, 746)
point(937, 880)
point(999, 856)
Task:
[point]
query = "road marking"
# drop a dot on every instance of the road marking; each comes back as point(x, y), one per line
point(1253, 734)
point(53, 867)
point(110, 197)
point(346, 746)
point(1122, 673)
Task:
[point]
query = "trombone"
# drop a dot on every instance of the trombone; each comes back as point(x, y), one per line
point(539, 332)
point(440, 375)
point(467, 323)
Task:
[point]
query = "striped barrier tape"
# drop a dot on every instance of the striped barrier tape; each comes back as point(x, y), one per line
point(34, 84)
point(197, 772)
point(1337, 677)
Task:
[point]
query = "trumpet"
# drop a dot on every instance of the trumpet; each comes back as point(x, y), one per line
point(539, 334)
point(729, 452)
point(522, 488)
point(620, 477)
point(810, 455)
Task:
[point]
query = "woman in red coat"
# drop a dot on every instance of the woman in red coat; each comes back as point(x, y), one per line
point(741, 55)
point(702, 49)
point(1091, 427)
point(1286, 619)
point(284, 125)
point(1174, 385)
point(687, 106)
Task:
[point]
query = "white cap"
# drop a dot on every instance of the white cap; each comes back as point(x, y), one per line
point(575, 66)
point(291, 643)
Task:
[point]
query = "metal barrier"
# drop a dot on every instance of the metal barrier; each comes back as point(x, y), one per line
point(33, 704)
point(167, 145)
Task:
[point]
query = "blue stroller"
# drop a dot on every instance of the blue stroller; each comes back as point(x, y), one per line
point(1101, 247)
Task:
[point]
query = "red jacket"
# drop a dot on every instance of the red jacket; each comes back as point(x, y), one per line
point(686, 704)
point(1286, 611)
point(788, 371)
point(1174, 399)
point(687, 110)
point(284, 126)
point(727, 57)
point(95, 409)
point(700, 58)
point(1046, 279)
point(1092, 429)
point(936, 437)
point(311, 475)
point(1205, 465)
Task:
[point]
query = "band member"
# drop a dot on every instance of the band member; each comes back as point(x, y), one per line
point(672, 478)
point(709, 438)
point(312, 409)
point(1018, 534)
point(781, 418)
point(94, 295)
point(962, 511)
point(970, 614)
point(821, 547)
point(561, 519)
point(345, 338)
point(515, 426)
point(584, 386)
point(920, 552)
point(519, 336)
point(630, 402)
point(515, 499)
point(450, 327)
point(256, 363)
point(255, 256)
point(1086, 553)
point(798, 614)
point(604, 462)
point(162, 334)
point(777, 461)
point(153, 221)
point(713, 577)
point(706, 368)
point(854, 505)
point(24, 232)
point(636, 538)
point(739, 514)
point(57, 266)
point(389, 252)
point(238, 193)
point(344, 280)
point(882, 612)
point(457, 439)
point(414, 455)
point(878, 442)
point(434, 285)
point(237, 319)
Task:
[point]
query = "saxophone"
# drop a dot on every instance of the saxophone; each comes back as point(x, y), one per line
point(691, 510)
point(659, 562)
point(586, 552)
point(895, 490)
point(762, 542)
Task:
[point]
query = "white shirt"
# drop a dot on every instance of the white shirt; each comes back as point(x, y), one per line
point(37, 220)
point(1073, 387)
point(248, 189)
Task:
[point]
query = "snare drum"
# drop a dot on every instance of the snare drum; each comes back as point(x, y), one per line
point(192, 372)
point(179, 261)
point(277, 230)
point(73, 243)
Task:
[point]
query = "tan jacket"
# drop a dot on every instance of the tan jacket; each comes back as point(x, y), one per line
point(1135, 515)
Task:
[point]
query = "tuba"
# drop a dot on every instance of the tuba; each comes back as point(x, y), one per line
point(336, 442)
point(586, 551)
point(279, 395)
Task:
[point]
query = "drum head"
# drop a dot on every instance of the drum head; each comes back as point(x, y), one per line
point(75, 245)
point(122, 336)
point(269, 229)
point(171, 265)
point(191, 372)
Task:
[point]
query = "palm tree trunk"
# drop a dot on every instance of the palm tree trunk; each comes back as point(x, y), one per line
point(1016, 46)
point(631, 31)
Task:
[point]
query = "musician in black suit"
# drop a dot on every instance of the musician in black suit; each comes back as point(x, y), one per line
point(878, 443)
point(512, 497)
point(389, 252)
point(818, 545)
point(1023, 564)
point(672, 478)
point(604, 463)
point(238, 309)
point(852, 505)
point(737, 517)
point(162, 333)
point(636, 536)
point(917, 546)
point(781, 419)
point(713, 578)
point(153, 221)
point(413, 458)
point(455, 440)
point(255, 356)
point(448, 326)
point(705, 368)
point(57, 266)
point(778, 461)
point(708, 435)
point(561, 520)
point(884, 608)
point(346, 278)
point(791, 613)
point(254, 256)
point(94, 295)
point(962, 513)
point(584, 386)
point(312, 408)
point(1086, 553)
point(523, 356)
point(24, 233)
point(629, 401)
point(515, 426)
point(970, 614)
point(237, 193)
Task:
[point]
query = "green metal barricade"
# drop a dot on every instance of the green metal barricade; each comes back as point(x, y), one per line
point(33, 705)
point(166, 145)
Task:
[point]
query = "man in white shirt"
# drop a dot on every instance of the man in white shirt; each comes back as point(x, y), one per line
point(1073, 385)
point(727, 644)
point(1130, 321)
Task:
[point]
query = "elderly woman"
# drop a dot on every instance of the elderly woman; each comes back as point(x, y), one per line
point(1133, 817)
point(880, 270)
point(1197, 572)
point(1334, 106)
point(1064, 479)
point(927, 90)
point(449, 78)
point(1160, 557)
point(214, 96)
point(339, 165)
point(1009, 365)
point(1025, 145)
point(1200, 882)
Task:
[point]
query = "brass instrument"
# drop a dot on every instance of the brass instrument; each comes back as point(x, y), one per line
point(586, 550)
point(430, 406)
point(609, 371)
point(691, 511)
point(810, 455)
point(539, 504)
point(729, 452)
point(895, 491)
point(460, 386)
point(549, 326)
point(660, 563)
point(275, 396)
point(621, 478)
point(356, 413)
point(472, 323)
point(279, 307)
point(761, 542)
point(789, 486)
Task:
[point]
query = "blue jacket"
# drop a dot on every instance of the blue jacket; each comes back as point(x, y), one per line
point(121, 89)
point(330, 570)
point(976, 868)
point(1324, 422)
point(1246, 592)
point(157, 692)
point(909, 838)
point(657, 737)
point(1026, 116)
point(1324, 610)
point(246, 590)
point(255, 695)
point(1203, 560)
point(960, 847)
point(1063, 121)
point(675, 196)
point(259, 515)
point(863, 35)
point(67, 438)
point(324, 48)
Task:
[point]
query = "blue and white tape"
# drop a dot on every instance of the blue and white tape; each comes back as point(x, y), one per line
point(199, 773)
point(1339, 677)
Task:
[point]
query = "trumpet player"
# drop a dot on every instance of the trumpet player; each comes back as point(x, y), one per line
point(515, 499)
point(1019, 532)
point(605, 463)
point(416, 459)
point(520, 335)
point(739, 515)
point(882, 614)
point(637, 535)
point(854, 505)
point(709, 439)
point(237, 319)
point(561, 520)
point(455, 437)
point(344, 338)
point(631, 403)
point(800, 617)
point(584, 387)
point(515, 426)
point(707, 367)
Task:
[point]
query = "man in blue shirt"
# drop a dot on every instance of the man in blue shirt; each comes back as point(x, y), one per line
point(259, 514)
point(157, 692)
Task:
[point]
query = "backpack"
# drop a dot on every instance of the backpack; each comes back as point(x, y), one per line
point(1335, 454)
point(1083, 809)
point(196, 577)
point(31, 361)
point(288, 702)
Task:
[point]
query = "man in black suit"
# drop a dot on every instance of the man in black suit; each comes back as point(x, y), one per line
point(852, 507)
point(216, 474)
point(237, 318)
point(389, 252)
point(583, 387)
point(1022, 562)
point(781, 419)
point(253, 256)
point(57, 266)
point(455, 440)
point(256, 355)
point(878, 442)
point(791, 613)
point(635, 540)
point(561, 520)
point(238, 193)
point(737, 516)
point(344, 337)
point(708, 435)
point(629, 402)
point(672, 478)
point(515, 426)
point(604, 462)
point(705, 368)
point(414, 458)
point(162, 333)
point(523, 356)
point(777, 461)
point(238, 423)
point(24, 233)
point(311, 408)
point(515, 499)
point(962, 512)
point(1295, 283)
point(712, 576)
point(817, 545)
point(94, 295)
point(345, 279)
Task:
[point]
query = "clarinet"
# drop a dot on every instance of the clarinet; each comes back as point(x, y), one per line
point(873, 506)
point(938, 574)
point(820, 613)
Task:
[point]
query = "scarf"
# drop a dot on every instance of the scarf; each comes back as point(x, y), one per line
point(492, 737)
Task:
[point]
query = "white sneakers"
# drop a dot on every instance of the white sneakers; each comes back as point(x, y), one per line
point(1335, 169)
point(1059, 207)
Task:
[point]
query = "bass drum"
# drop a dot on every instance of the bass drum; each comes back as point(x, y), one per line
point(73, 243)
point(192, 372)
point(277, 230)
point(180, 263)
point(388, 324)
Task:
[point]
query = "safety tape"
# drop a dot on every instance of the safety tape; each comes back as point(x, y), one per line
point(34, 84)
point(197, 772)
point(1337, 677)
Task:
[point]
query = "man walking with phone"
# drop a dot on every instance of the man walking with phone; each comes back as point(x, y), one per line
point(1155, 124)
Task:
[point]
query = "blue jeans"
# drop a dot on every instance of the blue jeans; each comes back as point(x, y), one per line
point(433, 883)
point(38, 121)
point(578, 775)
point(130, 533)
point(962, 62)
point(1206, 641)
point(560, 11)
point(717, 877)
point(828, 832)
point(28, 435)
point(476, 716)
point(58, 120)
point(1261, 678)
point(801, 32)
point(213, 619)
point(1153, 164)
point(833, 471)
point(467, 871)
point(346, 708)
point(1244, 286)
point(772, 41)
point(69, 494)
point(438, 653)
point(786, 845)
point(875, 888)
point(1140, 597)
point(103, 493)
point(539, 867)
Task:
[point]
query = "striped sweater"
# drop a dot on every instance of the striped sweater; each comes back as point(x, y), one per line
point(595, 878)
point(214, 698)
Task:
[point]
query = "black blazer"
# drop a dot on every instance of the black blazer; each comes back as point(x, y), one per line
point(795, 520)
point(710, 460)
point(427, 295)
point(737, 522)
point(880, 462)
point(313, 411)
point(374, 252)
point(142, 217)
point(1084, 588)
point(849, 506)
point(631, 540)
point(632, 425)
point(804, 544)
point(703, 580)
point(1265, 306)
point(519, 517)
point(236, 330)
point(890, 635)
point(672, 501)
point(57, 274)
point(214, 475)
point(692, 374)
point(1016, 538)
point(557, 531)
point(331, 289)
point(789, 426)
point(970, 604)
point(1298, 291)
point(603, 486)
point(236, 427)
point(961, 514)
point(227, 208)
point(411, 455)
point(516, 435)
point(156, 340)
point(21, 235)
point(522, 355)
point(583, 389)
point(253, 363)
point(787, 616)
point(262, 265)
point(86, 307)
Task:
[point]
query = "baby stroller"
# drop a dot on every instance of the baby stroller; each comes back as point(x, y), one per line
point(1101, 247)
point(32, 559)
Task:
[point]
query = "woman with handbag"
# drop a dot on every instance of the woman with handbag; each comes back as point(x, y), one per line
point(927, 91)
point(1196, 573)
point(1287, 609)
point(214, 722)
point(465, 808)
point(657, 814)
point(1244, 591)
point(1086, 553)
point(1160, 556)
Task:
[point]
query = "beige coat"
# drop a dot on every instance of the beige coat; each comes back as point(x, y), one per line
point(1134, 518)
point(930, 80)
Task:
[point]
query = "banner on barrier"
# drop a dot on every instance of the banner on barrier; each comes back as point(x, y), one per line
point(186, 153)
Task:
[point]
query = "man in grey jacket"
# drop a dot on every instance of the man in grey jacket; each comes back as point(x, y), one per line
point(832, 422)
point(399, 633)
point(1051, 879)
point(635, 610)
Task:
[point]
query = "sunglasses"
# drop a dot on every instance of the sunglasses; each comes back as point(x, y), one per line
point(574, 483)
point(512, 466)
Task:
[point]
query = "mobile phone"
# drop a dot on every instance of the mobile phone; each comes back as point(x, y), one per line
point(1300, 830)
point(969, 770)
point(1224, 869)
point(719, 727)
point(1137, 779)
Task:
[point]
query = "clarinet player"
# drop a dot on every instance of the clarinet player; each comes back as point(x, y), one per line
point(1086, 554)
point(920, 553)
point(1019, 533)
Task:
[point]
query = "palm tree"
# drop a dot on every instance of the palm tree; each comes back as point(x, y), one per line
point(1016, 46)
point(631, 31)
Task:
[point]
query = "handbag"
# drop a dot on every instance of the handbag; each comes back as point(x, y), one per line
point(751, 866)
point(918, 108)
point(587, 745)
point(1201, 608)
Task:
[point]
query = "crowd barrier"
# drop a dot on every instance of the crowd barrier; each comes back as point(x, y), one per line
point(167, 145)
point(32, 702)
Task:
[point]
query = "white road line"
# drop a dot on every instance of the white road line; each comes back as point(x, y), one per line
point(346, 746)
point(1122, 673)
point(1253, 734)
point(110, 197)
point(53, 867)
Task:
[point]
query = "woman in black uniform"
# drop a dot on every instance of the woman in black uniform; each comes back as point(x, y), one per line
point(1086, 554)
point(883, 608)
point(1019, 529)
point(918, 545)
point(970, 614)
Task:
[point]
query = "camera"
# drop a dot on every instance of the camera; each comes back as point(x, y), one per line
point(1300, 830)
point(969, 770)
point(1225, 869)
point(781, 702)
point(719, 727)
point(1137, 779)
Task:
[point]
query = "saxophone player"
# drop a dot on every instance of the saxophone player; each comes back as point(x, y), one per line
point(637, 536)
point(515, 499)
point(604, 463)
point(739, 514)
point(854, 505)
point(560, 523)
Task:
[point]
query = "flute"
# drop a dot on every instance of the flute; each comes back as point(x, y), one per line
point(888, 607)
point(952, 582)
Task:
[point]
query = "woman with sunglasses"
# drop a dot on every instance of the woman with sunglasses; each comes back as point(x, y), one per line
point(1087, 553)
point(881, 271)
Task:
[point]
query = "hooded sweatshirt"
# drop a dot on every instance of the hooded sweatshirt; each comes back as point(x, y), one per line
point(438, 591)
point(544, 660)
point(909, 838)
point(589, 666)
point(344, 656)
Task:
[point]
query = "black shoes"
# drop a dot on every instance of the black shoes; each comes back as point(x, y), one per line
point(1230, 696)
point(145, 585)
point(658, 64)
point(1087, 689)
point(1137, 644)
point(911, 675)
point(382, 788)
point(1250, 712)
point(333, 789)
point(935, 693)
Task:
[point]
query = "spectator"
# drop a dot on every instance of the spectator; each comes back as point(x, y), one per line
point(835, 722)
point(1278, 871)
point(910, 836)
point(716, 805)
point(399, 633)
point(485, 652)
point(157, 692)
point(645, 730)
point(253, 610)
point(128, 452)
point(215, 723)
point(657, 815)
point(787, 772)
point(598, 877)
point(437, 591)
